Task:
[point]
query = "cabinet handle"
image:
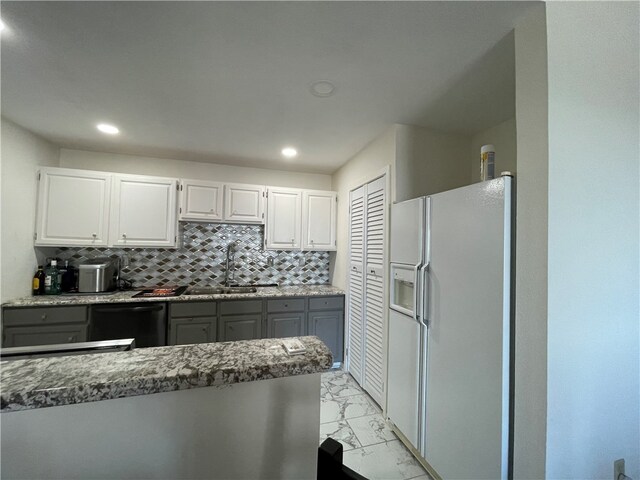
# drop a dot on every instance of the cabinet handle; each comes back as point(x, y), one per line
point(372, 271)
point(124, 235)
point(204, 329)
point(44, 316)
point(94, 235)
point(71, 339)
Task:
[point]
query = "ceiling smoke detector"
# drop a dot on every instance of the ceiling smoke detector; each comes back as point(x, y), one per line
point(322, 89)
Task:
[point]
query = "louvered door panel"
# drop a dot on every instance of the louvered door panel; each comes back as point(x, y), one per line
point(374, 341)
point(356, 284)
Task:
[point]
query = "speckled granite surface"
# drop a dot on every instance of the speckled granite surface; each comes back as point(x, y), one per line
point(125, 297)
point(54, 381)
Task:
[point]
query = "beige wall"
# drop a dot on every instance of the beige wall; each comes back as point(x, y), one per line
point(22, 154)
point(379, 154)
point(503, 137)
point(531, 247)
point(429, 162)
point(109, 162)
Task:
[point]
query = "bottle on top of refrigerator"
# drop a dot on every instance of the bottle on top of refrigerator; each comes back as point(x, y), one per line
point(38, 281)
point(52, 279)
point(487, 162)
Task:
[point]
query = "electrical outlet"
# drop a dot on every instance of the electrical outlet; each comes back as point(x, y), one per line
point(302, 262)
point(618, 469)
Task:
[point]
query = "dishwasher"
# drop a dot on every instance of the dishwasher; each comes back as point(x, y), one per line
point(147, 323)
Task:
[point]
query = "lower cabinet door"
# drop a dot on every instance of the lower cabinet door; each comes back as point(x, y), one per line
point(240, 327)
point(186, 331)
point(280, 325)
point(329, 326)
point(44, 335)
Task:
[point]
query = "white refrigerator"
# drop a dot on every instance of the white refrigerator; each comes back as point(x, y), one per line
point(450, 316)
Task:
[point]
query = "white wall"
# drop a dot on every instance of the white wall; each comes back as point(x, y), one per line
point(110, 162)
point(503, 137)
point(531, 248)
point(266, 429)
point(380, 153)
point(22, 153)
point(593, 374)
point(429, 162)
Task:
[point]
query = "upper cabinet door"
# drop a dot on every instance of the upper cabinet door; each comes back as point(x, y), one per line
point(73, 207)
point(284, 208)
point(200, 201)
point(243, 203)
point(319, 211)
point(143, 212)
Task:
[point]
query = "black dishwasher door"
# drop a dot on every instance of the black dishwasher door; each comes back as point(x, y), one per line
point(146, 322)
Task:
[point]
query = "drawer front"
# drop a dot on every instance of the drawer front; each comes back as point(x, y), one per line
point(44, 335)
point(194, 309)
point(326, 303)
point(44, 315)
point(233, 307)
point(286, 305)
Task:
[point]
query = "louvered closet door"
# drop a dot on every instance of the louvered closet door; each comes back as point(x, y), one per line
point(374, 341)
point(356, 285)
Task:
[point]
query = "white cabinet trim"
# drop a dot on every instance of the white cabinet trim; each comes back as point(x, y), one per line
point(272, 214)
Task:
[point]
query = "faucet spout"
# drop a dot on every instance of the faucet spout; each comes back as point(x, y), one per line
point(230, 265)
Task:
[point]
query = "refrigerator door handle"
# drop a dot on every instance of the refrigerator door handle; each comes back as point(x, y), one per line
point(416, 292)
point(424, 304)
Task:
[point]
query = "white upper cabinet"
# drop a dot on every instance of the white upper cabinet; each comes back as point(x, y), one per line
point(143, 211)
point(319, 211)
point(284, 208)
point(73, 207)
point(200, 201)
point(244, 203)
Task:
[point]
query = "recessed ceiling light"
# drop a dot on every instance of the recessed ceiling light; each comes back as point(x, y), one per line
point(322, 88)
point(106, 128)
point(289, 152)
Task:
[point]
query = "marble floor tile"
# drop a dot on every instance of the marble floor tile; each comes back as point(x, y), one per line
point(384, 461)
point(340, 431)
point(343, 390)
point(371, 429)
point(341, 408)
point(324, 393)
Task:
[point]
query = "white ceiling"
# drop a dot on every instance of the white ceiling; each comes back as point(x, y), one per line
point(228, 82)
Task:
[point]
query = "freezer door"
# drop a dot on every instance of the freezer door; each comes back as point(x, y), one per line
point(407, 232)
point(467, 390)
point(404, 375)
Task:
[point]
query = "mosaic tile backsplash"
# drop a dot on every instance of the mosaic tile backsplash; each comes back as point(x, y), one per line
point(200, 259)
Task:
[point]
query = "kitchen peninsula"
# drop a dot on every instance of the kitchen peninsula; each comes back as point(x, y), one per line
point(241, 409)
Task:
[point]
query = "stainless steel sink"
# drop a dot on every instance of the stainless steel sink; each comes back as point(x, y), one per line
point(219, 290)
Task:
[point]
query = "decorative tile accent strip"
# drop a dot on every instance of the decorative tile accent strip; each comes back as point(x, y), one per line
point(200, 259)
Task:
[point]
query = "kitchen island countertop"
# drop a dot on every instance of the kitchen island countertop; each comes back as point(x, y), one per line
point(55, 381)
point(126, 296)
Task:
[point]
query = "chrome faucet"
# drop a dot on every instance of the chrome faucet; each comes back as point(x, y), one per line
point(230, 265)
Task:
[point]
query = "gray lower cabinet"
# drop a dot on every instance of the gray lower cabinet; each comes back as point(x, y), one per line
point(192, 322)
point(280, 325)
point(44, 335)
point(44, 326)
point(325, 319)
point(240, 327)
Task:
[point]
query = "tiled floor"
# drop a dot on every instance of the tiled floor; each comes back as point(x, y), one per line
point(370, 447)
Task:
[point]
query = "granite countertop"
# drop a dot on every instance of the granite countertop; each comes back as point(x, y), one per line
point(53, 381)
point(125, 297)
